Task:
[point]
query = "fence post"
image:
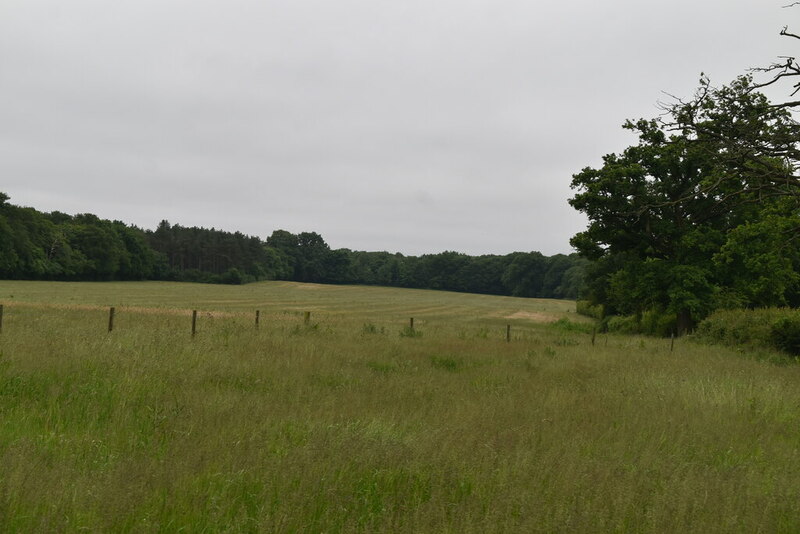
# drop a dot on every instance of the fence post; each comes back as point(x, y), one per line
point(1, 318)
point(194, 322)
point(671, 341)
point(594, 334)
point(307, 317)
point(258, 313)
point(411, 324)
point(111, 319)
point(508, 333)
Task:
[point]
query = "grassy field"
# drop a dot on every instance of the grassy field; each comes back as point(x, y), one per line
point(352, 423)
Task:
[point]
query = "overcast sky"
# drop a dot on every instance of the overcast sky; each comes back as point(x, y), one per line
point(406, 125)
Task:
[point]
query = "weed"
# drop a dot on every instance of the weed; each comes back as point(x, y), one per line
point(370, 328)
point(407, 331)
point(381, 367)
point(447, 363)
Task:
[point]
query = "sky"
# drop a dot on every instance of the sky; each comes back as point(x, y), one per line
point(413, 126)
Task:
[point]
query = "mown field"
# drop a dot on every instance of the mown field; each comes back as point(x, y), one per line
point(352, 423)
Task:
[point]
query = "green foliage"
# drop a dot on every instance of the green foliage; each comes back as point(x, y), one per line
point(83, 247)
point(650, 322)
point(565, 325)
point(766, 327)
point(232, 276)
point(786, 334)
point(656, 323)
point(622, 324)
point(701, 213)
point(585, 307)
point(761, 263)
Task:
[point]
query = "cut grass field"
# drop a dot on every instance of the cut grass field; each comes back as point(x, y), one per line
point(352, 424)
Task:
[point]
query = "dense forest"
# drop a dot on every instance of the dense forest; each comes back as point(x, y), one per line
point(56, 246)
point(702, 213)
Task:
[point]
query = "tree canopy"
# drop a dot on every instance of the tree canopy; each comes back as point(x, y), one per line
point(702, 212)
point(57, 246)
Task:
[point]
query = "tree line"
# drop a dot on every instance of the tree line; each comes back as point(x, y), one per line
point(56, 246)
point(702, 213)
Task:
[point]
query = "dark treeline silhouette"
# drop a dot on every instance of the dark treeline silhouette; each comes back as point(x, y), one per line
point(56, 246)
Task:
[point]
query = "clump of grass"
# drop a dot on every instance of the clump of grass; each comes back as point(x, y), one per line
point(381, 367)
point(447, 363)
point(482, 333)
point(302, 329)
point(370, 328)
point(408, 331)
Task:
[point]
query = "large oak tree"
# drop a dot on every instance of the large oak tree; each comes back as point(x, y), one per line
point(677, 220)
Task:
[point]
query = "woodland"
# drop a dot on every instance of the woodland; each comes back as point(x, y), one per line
point(55, 246)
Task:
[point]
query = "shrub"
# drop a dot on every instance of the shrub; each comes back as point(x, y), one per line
point(565, 325)
point(657, 323)
point(786, 335)
point(651, 323)
point(622, 324)
point(584, 307)
point(232, 276)
point(768, 327)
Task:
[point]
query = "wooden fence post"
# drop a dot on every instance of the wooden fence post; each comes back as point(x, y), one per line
point(594, 334)
point(307, 317)
point(508, 333)
point(672, 341)
point(194, 322)
point(111, 319)
point(411, 324)
point(258, 313)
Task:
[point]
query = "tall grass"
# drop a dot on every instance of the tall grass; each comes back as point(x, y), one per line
point(345, 425)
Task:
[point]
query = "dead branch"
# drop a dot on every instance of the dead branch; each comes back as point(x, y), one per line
point(788, 34)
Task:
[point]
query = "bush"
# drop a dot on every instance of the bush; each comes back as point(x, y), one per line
point(584, 307)
point(651, 323)
point(232, 276)
point(656, 323)
point(786, 335)
point(622, 324)
point(565, 325)
point(768, 327)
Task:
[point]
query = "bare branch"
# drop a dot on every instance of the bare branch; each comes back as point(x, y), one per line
point(787, 34)
point(787, 104)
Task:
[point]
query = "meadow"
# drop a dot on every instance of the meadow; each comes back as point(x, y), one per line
point(353, 422)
